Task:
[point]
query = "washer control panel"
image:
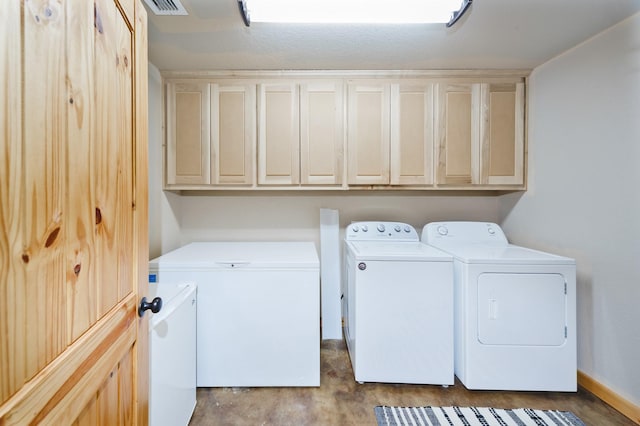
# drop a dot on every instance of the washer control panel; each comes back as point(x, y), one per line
point(381, 231)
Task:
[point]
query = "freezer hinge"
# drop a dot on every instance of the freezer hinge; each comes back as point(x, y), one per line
point(565, 332)
point(565, 287)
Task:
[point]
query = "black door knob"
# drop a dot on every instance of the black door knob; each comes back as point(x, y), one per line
point(155, 305)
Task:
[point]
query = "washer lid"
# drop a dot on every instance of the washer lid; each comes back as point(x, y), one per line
point(509, 254)
point(213, 255)
point(396, 251)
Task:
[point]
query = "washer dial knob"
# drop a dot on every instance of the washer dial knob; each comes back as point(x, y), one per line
point(381, 228)
point(442, 230)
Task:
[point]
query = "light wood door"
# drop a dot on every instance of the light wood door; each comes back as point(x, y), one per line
point(458, 134)
point(233, 133)
point(73, 213)
point(321, 133)
point(412, 134)
point(188, 133)
point(278, 134)
point(368, 136)
point(502, 134)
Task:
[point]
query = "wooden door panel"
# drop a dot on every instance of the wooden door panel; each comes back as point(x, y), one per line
point(368, 135)
point(60, 392)
point(412, 140)
point(140, 259)
point(125, 156)
point(321, 133)
point(81, 284)
point(41, 299)
point(89, 415)
point(458, 134)
point(502, 134)
point(12, 268)
point(73, 162)
point(233, 133)
point(279, 135)
point(107, 163)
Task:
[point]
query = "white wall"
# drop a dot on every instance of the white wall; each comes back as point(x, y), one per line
point(164, 229)
point(296, 215)
point(584, 193)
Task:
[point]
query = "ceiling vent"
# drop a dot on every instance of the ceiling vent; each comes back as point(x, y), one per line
point(166, 7)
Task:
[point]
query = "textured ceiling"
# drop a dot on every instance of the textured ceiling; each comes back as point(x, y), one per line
point(494, 34)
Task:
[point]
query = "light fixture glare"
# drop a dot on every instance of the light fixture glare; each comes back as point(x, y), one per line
point(352, 11)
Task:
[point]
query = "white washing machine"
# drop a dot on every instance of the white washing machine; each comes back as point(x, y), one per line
point(515, 310)
point(397, 306)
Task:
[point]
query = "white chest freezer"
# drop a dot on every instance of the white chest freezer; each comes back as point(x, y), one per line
point(258, 317)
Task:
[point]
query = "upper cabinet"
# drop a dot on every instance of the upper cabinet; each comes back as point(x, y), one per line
point(188, 128)
point(346, 130)
point(300, 133)
point(368, 137)
point(412, 134)
point(233, 133)
point(390, 133)
point(502, 134)
point(321, 133)
point(211, 133)
point(279, 134)
point(480, 134)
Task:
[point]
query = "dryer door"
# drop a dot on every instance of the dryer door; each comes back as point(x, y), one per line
point(521, 309)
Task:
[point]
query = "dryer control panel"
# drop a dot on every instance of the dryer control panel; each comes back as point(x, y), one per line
point(437, 233)
point(381, 231)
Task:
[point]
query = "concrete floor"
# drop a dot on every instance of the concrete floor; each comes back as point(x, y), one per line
point(341, 401)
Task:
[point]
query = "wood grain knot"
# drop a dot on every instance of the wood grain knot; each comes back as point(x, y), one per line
point(126, 61)
point(97, 19)
point(25, 258)
point(71, 101)
point(76, 269)
point(98, 216)
point(52, 237)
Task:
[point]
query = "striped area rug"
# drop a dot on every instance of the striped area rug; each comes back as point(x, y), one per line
point(472, 416)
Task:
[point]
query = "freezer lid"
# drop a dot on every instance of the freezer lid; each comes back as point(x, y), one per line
point(399, 251)
point(219, 254)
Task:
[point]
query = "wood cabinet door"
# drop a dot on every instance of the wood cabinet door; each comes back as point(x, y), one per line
point(412, 134)
point(188, 133)
point(233, 133)
point(368, 138)
point(458, 134)
point(278, 134)
point(502, 134)
point(321, 133)
point(73, 213)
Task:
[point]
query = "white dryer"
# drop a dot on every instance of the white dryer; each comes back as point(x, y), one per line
point(515, 310)
point(398, 306)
